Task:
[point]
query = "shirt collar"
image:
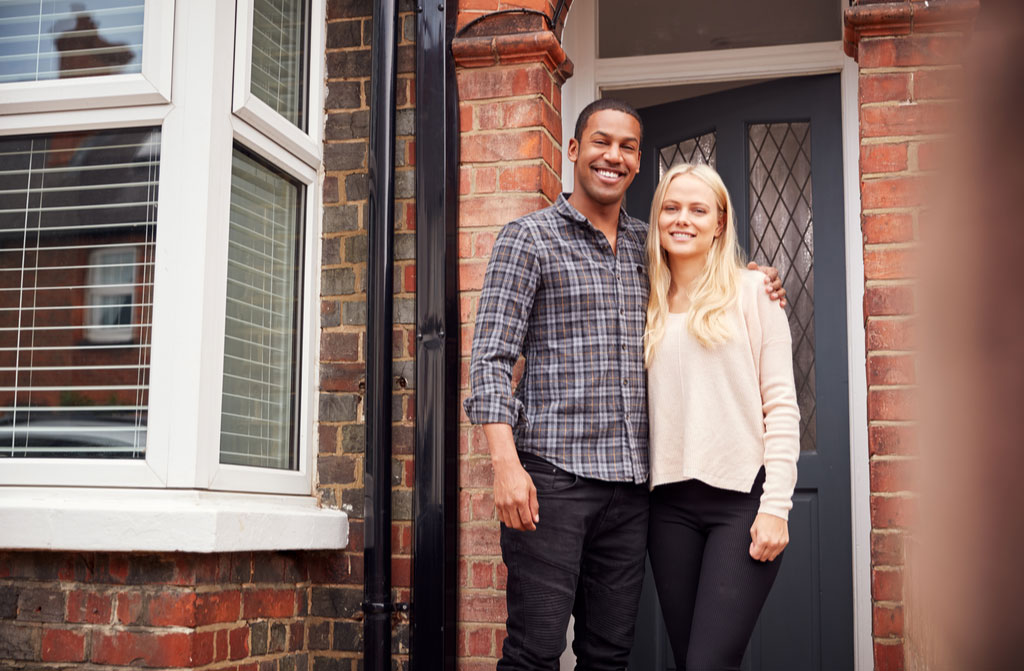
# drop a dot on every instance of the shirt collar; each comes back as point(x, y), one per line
point(563, 207)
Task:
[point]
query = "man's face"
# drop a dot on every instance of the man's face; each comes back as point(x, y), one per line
point(606, 157)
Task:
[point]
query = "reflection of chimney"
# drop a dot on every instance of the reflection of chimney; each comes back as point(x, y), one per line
point(84, 52)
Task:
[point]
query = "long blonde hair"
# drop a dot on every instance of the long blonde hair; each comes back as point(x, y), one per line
point(715, 289)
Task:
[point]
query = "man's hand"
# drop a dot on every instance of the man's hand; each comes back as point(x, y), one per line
point(515, 496)
point(769, 536)
point(772, 283)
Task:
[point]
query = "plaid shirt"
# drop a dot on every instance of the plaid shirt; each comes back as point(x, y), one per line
point(555, 293)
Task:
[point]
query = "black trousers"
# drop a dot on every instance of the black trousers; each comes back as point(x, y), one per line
point(585, 558)
point(711, 590)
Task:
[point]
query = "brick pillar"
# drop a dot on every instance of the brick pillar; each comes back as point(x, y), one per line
point(510, 71)
point(907, 53)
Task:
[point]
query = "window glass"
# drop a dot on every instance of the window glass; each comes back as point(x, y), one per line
point(51, 39)
point(77, 232)
point(259, 404)
point(280, 53)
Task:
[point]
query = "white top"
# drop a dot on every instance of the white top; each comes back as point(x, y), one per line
point(718, 414)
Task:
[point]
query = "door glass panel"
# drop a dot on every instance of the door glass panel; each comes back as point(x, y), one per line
point(782, 235)
point(696, 149)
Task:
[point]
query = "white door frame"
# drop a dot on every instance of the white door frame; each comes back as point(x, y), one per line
point(592, 74)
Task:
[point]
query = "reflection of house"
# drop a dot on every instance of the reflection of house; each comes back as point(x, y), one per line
point(194, 555)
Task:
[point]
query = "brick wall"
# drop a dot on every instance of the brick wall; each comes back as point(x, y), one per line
point(338, 624)
point(908, 54)
point(102, 610)
point(509, 85)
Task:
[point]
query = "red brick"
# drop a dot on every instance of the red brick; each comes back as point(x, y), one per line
point(883, 158)
point(890, 227)
point(891, 334)
point(341, 376)
point(484, 83)
point(482, 507)
point(401, 571)
point(496, 211)
point(221, 648)
point(888, 301)
point(905, 119)
point(892, 512)
point(465, 118)
point(892, 476)
point(172, 609)
point(215, 607)
point(339, 346)
point(886, 549)
point(268, 603)
point(891, 193)
point(890, 263)
point(63, 645)
point(892, 404)
point(889, 369)
point(485, 179)
point(475, 607)
point(202, 648)
point(875, 88)
point(510, 146)
point(888, 622)
point(238, 643)
point(129, 607)
point(141, 648)
point(893, 440)
point(89, 606)
point(471, 276)
point(889, 657)
point(501, 575)
point(481, 574)
point(478, 540)
point(296, 636)
point(887, 584)
point(476, 473)
point(479, 642)
point(886, 52)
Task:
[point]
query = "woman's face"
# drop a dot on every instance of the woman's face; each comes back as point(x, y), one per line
point(689, 219)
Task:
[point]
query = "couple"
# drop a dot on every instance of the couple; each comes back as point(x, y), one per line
point(633, 339)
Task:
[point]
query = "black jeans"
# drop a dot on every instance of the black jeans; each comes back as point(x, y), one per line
point(711, 590)
point(585, 558)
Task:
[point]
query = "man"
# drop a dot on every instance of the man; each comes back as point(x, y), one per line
point(567, 288)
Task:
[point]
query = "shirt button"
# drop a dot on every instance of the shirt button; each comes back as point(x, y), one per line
point(623, 347)
point(625, 382)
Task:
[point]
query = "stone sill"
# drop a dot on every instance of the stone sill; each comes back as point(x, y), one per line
point(144, 520)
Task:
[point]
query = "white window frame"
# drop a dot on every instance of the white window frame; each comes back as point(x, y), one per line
point(306, 145)
point(199, 128)
point(97, 333)
point(150, 86)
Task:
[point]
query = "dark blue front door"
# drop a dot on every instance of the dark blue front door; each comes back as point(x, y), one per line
point(778, 146)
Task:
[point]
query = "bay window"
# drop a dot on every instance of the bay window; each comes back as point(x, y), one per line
point(159, 205)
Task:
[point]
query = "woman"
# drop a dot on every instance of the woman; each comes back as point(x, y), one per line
point(724, 424)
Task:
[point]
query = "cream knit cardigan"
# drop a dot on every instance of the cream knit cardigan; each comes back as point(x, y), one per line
point(718, 414)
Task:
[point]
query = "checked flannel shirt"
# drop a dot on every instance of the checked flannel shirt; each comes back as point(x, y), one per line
point(555, 293)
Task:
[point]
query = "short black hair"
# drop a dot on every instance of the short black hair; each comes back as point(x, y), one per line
point(600, 105)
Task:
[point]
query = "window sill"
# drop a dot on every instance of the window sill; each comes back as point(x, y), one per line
point(138, 520)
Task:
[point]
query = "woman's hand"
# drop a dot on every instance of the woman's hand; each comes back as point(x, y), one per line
point(769, 536)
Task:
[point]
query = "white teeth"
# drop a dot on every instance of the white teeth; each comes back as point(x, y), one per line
point(683, 236)
point(608, 173)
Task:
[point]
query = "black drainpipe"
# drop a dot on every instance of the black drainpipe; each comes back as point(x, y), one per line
point(435, 553)
point(377, 604)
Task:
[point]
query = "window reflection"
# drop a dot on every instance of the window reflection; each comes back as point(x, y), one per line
point(77, 239)
point(50, 39)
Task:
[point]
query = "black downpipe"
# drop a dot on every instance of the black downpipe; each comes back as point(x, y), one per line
point(435, 552)
point(377, 604)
